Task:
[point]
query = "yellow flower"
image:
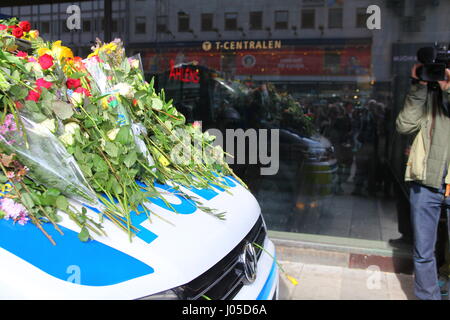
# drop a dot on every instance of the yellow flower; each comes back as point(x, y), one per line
point(42, 51)
point(110, 47)
point(107, 48)
point(105, 103)
point(61, 52)
point(95, 53)
point(34, 34)
point(57, 51)
point(292, 280)
point(163, 160)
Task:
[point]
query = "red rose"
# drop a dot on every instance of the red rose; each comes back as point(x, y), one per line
point(83, 91)
point(46, 61)
point(22, 54)
point(33, 95)
point(17, 32)
point(73, 83)
point(25, 25)
point(42, 83)
point(18, 105)
point(3, 27)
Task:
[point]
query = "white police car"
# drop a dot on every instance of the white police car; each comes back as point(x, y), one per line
point(186, 255)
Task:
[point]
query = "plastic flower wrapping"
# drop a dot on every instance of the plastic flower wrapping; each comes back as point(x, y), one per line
point(90, 130)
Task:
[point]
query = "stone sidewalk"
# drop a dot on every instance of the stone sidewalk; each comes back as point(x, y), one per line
point(321, 282)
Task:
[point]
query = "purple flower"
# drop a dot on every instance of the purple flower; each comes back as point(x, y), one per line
point(14, 211)
point(9, 125)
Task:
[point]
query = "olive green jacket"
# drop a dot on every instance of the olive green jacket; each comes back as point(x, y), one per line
point(416, 117)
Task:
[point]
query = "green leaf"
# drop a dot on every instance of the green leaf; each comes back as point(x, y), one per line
point(111, 149)
point(62, 109)
point(84, 235)
point(114, 185)
point(27, 201)
point(130, 159)
point(92, 109)
point(53, 192)
point(124, 135)
point(78, 153)
point(156, 103)
point(36, 198)
point(77, 75)
point(19, 92)
point(62, 203)
point(3, 178)
point(31, 106)
point(99, 163)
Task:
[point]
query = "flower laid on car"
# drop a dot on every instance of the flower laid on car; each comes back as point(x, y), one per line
point(90, 129)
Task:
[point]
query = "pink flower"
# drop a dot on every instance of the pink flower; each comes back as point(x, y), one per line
point(8, 125)
point(46, 61)
point(197, 124)
point(21, 54)
point(14, 211)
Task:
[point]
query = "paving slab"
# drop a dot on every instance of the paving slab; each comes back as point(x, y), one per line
point(321, 282)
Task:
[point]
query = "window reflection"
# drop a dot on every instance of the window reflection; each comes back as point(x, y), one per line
point(308, 68)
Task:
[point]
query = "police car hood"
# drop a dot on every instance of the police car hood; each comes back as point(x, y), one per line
point(169, 249)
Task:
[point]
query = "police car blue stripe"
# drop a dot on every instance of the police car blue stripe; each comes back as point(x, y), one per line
point(92, 263)
point(267, 288)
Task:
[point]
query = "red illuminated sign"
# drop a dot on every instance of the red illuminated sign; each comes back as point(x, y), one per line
point(185, 74)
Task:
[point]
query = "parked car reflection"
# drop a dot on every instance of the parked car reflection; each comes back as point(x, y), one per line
point(307, 161)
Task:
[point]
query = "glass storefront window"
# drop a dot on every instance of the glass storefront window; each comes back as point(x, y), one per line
point(315, 70)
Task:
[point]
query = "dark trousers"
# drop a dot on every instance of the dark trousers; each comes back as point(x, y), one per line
point(426, 204)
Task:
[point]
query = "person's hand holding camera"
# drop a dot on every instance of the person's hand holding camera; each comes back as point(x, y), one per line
point(445, 84)
point(414, 73)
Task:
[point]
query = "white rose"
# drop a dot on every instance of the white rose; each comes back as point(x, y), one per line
point(71, 128)
point(76, 98)
point(134, 63)
point(112, 134)
point(124, 89)
point(67, 139)
point(49, 124)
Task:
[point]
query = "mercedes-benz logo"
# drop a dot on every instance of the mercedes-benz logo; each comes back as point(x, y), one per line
point(249, 262)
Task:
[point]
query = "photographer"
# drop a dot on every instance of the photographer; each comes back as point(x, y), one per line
point(426, 115)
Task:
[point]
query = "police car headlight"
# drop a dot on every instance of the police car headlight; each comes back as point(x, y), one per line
point(164, 295)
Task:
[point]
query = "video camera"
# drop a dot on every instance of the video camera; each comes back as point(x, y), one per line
point(435, 60)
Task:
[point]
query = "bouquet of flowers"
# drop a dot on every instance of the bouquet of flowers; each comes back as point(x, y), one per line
point(88, 129)
point(40, 172)
point(289, 112)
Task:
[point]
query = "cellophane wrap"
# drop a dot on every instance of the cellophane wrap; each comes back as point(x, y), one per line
point(48, 161)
